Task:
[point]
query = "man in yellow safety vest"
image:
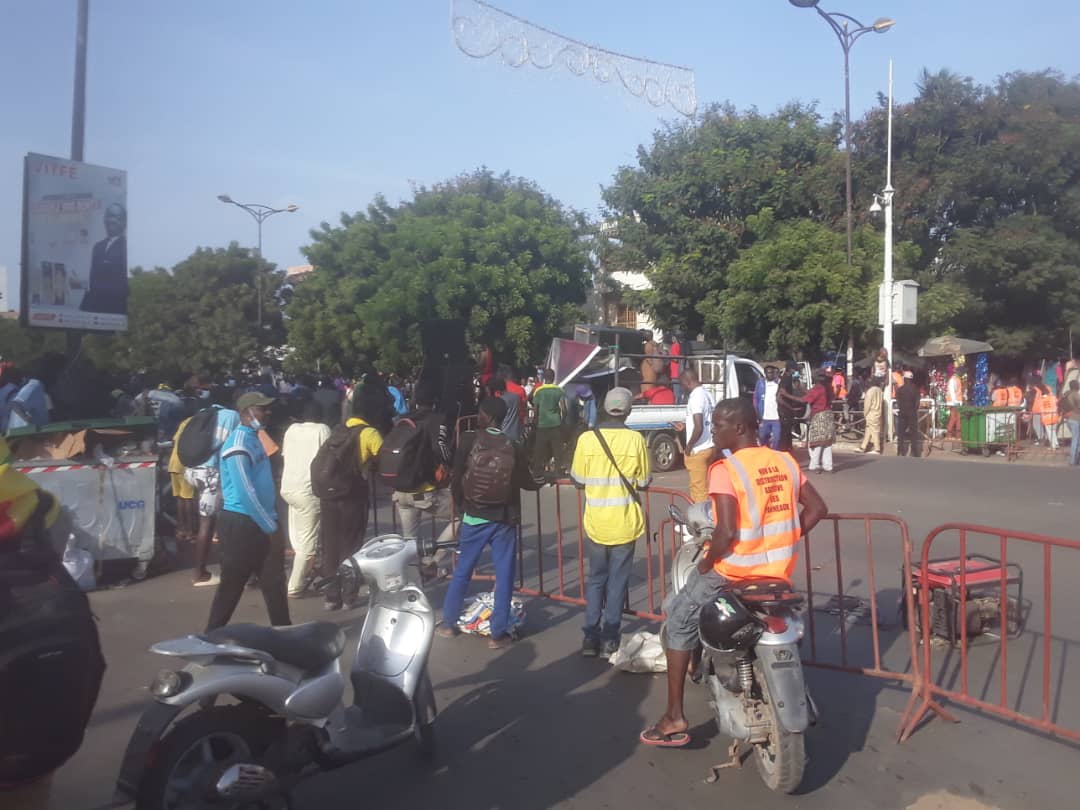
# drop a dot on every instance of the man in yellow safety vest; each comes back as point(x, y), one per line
point(756, 497)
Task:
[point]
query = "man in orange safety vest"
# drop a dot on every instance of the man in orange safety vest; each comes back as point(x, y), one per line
point(756, 496)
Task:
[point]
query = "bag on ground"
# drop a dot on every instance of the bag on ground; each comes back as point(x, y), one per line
point(406, 460)
point(640, 652)
point(198, 442)
point(488, 479)
point(335, 470)
point(476, 617)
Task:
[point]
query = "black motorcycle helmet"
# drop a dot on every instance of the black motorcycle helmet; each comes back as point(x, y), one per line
point(725, 624)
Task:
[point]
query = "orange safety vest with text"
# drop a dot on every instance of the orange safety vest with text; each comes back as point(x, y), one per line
point(766, 485)
point(1000, 398)
point(1046, 406)
point(1016, 396)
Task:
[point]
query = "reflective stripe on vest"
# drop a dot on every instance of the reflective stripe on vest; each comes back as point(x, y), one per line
point(763, 547)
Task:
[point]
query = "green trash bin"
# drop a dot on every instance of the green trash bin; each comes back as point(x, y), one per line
point(973, 429)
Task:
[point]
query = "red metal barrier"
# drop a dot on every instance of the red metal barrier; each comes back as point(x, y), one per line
point(928, 692)
point(843, 661)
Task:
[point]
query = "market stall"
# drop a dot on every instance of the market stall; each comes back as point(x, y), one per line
point(104, 473)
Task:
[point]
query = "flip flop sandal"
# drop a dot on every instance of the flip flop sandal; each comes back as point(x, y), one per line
point(655, 737)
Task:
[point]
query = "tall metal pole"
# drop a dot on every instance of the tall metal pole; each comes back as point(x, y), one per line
point(73, 338)
point(78, 108)
point(887, 204)
point(258, 275)
point(847, 139)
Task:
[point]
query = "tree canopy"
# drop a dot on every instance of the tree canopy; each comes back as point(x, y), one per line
point(721, 211)
point(494, 251)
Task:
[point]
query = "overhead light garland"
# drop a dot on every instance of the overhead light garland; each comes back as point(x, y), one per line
point(482, 30)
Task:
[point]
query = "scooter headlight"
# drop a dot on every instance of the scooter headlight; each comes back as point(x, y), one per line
point(169, 683)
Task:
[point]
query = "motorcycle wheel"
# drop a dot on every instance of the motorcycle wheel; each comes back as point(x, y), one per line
point(781, 761)
point(197, 750)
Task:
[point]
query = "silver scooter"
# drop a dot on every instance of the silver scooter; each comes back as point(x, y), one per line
point(750, 662)
point(266, 705)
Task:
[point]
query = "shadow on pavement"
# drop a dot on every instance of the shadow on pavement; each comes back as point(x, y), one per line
point(524, 734)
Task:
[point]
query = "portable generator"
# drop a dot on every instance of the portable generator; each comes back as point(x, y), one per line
point(982, 577)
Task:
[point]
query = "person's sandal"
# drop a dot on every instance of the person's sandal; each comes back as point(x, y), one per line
point(500, 643)
point(446, 631)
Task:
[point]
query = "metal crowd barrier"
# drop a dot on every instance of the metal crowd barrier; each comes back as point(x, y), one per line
point(1011, 621)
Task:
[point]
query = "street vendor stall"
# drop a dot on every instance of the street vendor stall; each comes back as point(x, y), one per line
point(104, 473)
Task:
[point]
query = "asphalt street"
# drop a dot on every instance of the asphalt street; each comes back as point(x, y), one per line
point(536, 726)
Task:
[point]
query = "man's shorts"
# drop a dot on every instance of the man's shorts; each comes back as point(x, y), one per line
point(207, 484)
point(680, 630)
point(181, 487)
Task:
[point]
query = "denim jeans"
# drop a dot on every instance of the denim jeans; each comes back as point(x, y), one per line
point(502, 537)
point(606, 587)
point(769, 433)
point(1074, 447)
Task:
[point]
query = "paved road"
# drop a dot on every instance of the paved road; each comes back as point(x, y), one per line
point(536, 726)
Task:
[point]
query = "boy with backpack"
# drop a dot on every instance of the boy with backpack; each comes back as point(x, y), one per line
point(198, 449)
point(413, 461)
point(489, 473)
point(338, 480)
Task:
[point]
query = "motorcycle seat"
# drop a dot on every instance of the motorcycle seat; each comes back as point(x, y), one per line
point(308, 646)
point(767, 592)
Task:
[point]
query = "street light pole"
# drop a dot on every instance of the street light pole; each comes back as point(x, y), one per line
point(260, 213)
point(847, 30)
point(884, 202)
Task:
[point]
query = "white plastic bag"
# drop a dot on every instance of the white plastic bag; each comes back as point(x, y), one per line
point(79, 563)
point(640, 652)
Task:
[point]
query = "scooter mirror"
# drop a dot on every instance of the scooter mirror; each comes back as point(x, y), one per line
point(676, 514)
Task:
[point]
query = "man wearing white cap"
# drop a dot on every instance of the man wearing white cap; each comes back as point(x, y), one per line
point(611, 463)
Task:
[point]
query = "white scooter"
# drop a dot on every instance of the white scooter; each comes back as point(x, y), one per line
point(267, 705)
point(750, 662)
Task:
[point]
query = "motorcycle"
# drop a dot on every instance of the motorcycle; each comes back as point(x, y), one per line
point(750, 662)
point(266, 703)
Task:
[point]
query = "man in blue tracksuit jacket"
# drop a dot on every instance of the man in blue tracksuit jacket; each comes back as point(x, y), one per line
point(248, 526)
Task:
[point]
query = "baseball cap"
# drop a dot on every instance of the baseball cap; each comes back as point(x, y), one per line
point(253, 399)
point(909, 375)
point(618, 402)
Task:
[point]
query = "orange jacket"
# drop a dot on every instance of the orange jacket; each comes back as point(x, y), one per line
point(999, 398)
point(1046, 406)
point(766, 485)
point(1016, 396)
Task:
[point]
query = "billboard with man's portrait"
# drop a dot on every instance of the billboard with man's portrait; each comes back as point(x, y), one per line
point(74, 269)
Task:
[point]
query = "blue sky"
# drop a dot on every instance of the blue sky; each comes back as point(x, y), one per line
point(325, 103)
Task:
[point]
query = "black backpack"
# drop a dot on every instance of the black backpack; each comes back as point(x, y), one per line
point(51, 663)
point(489, 472)
point(406, 459)
point(335, 470)
point(198, 442)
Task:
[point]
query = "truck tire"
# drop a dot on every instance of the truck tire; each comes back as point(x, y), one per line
point(664, 452)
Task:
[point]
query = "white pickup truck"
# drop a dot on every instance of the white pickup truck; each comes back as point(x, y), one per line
point(585, 360)
point(719, 374)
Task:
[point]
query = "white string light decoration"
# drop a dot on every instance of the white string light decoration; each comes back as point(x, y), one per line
point(482, 30)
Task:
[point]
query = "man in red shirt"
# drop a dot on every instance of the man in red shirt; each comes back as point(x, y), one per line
point(513, 386)
point(676, 367)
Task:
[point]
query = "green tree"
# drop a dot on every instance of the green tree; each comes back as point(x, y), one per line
point(494, 251)
point(792, 290)
point(682, 211)
point(200, 317)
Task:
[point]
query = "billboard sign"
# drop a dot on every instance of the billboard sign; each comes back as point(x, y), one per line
point(74, 258)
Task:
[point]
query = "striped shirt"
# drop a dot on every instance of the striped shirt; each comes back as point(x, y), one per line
point(612, 515)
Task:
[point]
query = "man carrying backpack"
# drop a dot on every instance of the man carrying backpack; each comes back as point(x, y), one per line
point(251, 542)
point(489, 473)
point(51, 663)
point(198, 448)
point(338, 479)
point(413, 461)
point(611, 463)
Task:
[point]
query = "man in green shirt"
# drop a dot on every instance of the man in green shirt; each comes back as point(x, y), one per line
point(549, 403)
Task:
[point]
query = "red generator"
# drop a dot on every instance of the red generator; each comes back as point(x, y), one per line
point(982, 602)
